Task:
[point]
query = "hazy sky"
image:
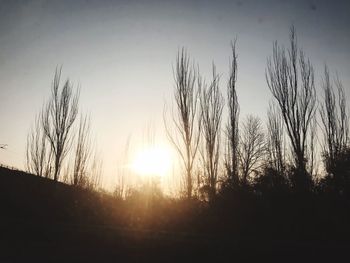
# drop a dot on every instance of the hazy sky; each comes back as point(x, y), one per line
point(121, 54)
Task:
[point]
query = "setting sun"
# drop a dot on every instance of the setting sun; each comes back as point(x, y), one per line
point(155, 161)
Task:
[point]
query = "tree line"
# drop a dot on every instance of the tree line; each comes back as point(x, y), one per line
point(59, 144)
point(215, 154)
point(246, 154)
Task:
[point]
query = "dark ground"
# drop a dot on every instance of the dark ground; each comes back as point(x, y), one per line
point(43, 221)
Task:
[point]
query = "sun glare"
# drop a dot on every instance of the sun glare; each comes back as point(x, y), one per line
point(155, 161)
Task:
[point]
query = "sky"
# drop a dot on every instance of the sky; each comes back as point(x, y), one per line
point(121, 54)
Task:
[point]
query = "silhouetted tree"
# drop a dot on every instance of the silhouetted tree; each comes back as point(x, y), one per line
point(121, 187)
point(58, 117)
point(273, 177)
point(275, 140)
point(186, 134)
point(82, 153)
point(212, 103)
point(334, 118)
point(95, 173)
point(290, 77)
point(311, 150)
point(252, 147)
point(38, 154)
point(231, 161)
point(335, 124)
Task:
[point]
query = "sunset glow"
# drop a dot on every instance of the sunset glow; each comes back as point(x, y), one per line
point(154, 161)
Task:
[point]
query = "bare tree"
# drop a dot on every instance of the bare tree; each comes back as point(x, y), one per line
point(38, 154)
point(252, 147)
point(275, 140)
point(335, 121)
point(186, 134)
point(57, 119)
point(123, 173)
point(212, 104)
point(231, 161)
point(95, 175)
point(82, 152)
point(290, 77)
point(312, 150)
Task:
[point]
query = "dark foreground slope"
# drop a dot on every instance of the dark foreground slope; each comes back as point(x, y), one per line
point(43, 221)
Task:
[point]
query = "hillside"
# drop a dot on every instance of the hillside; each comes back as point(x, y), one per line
point(44, 221)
